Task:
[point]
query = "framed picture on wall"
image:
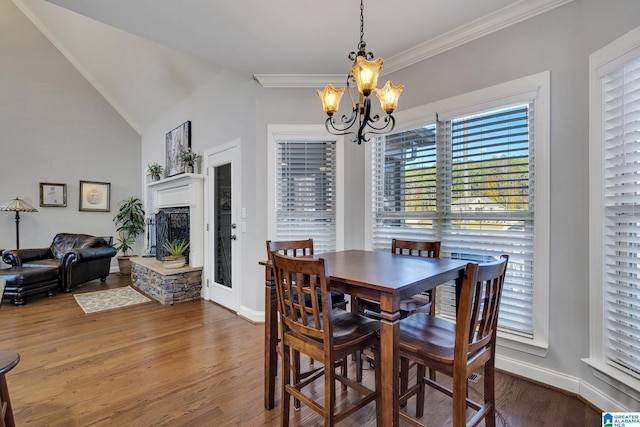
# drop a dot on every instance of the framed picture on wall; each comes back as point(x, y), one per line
point(53, 195)
point(95, 196)
point(179, 139)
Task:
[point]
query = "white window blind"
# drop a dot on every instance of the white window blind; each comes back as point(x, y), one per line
point(306, 192)
point(467, 182)
point(621, 185)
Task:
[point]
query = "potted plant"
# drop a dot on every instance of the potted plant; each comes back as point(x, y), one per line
point(189, 158)
point(176, 257)
point(130, 223)
point(155, 169)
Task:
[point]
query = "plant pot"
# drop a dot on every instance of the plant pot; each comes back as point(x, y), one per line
point(174, 261)
point(124, 265)
point(155, 177)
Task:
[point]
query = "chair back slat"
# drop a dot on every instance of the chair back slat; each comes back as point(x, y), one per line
point(416, 248)
point(479, 304)
point(294, 248)
point(295, 278)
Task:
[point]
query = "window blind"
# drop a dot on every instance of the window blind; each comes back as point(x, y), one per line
point(468, 183)
point(404, 187)
point(621, 175)
point(306, 192)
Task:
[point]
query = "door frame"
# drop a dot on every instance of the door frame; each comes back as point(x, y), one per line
point(229, 298)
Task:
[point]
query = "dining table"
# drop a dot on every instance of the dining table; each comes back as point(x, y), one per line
point(378, 276)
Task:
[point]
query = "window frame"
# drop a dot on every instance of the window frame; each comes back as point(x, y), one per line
point(310, 133)
point(601, 62)
point(535, 87)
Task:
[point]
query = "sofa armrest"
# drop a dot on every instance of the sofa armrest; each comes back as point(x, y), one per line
point(88, 254)
point(16, 257)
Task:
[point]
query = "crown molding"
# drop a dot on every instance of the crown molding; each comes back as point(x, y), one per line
point(510, 15)
point(300, 80)
point(474, 30)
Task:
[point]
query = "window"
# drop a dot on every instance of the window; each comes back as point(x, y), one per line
point(615, 210)
point(305, 171)
point(467, 177)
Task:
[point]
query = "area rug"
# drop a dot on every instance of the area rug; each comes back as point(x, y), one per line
point(93, 302)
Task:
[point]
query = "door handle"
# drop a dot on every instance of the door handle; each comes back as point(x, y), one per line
point(233, 237)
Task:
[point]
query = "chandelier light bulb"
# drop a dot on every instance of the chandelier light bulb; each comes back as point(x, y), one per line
point(388, 96)
point(366, 74)
point(330, 98)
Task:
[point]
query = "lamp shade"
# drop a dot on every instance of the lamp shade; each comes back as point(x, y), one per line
point(388, 96)
point(366, 74)
point(330, 98)
point(17, 205)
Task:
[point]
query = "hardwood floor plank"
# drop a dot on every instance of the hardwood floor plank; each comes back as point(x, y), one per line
point(194, 364)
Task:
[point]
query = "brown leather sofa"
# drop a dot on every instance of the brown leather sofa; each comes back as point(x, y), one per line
point(78, 257)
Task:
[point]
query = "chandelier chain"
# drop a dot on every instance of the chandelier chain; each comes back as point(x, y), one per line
point(361, 22)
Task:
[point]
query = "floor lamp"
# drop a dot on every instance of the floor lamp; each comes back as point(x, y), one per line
point(17, 205)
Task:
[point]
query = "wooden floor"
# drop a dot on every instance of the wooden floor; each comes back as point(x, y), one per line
point(193, 364)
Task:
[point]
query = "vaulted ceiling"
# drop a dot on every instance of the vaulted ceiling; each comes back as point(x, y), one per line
point(145, 55)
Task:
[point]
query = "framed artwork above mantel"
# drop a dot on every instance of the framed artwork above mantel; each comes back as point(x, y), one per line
point(177, 140)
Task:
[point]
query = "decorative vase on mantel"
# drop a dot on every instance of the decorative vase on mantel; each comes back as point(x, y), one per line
point(188, 167)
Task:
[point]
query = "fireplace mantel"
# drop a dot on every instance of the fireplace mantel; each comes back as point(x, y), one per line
point(179, 191)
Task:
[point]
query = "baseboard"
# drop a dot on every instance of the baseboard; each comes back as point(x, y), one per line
point(251, 315)
point(567, 383)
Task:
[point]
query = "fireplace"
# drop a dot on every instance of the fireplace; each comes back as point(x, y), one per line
point(182, 198)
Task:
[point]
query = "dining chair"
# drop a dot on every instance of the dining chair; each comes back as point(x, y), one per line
point(422, 302)
point(324, 333)
point(458, 349)
point(297, 248)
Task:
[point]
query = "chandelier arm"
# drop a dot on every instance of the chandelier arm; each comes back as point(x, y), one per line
point(389, 123)
point(347, 122)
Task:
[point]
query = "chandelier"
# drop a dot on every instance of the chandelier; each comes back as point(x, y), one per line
point(364, 74)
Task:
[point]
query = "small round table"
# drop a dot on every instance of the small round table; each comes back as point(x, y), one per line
point(8, 360)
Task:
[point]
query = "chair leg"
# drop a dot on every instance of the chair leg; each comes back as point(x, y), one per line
point(359, 355)
point(420, 395)
point(286, 380)
point(459, 400)
point(404, 374)
point(296, 375)
point(378, 382)
point(490, 393)
point(343, 371)
point(329, 392)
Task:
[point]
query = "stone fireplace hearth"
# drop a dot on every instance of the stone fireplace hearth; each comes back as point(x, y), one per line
point(167, 286)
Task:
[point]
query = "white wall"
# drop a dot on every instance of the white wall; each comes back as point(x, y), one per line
point(220, 112)
point(56, 128)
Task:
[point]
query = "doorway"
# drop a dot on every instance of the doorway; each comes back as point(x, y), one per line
point(222, 246)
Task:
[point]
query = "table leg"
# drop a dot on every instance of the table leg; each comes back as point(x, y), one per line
point(270, 342)
point(390, 361)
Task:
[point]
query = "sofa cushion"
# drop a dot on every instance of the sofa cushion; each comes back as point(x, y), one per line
point(64, 242)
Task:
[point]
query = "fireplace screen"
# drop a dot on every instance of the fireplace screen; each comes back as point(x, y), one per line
point(171, 224)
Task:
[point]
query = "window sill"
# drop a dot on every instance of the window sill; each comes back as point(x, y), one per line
point(522, 344)
point(616, 378)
